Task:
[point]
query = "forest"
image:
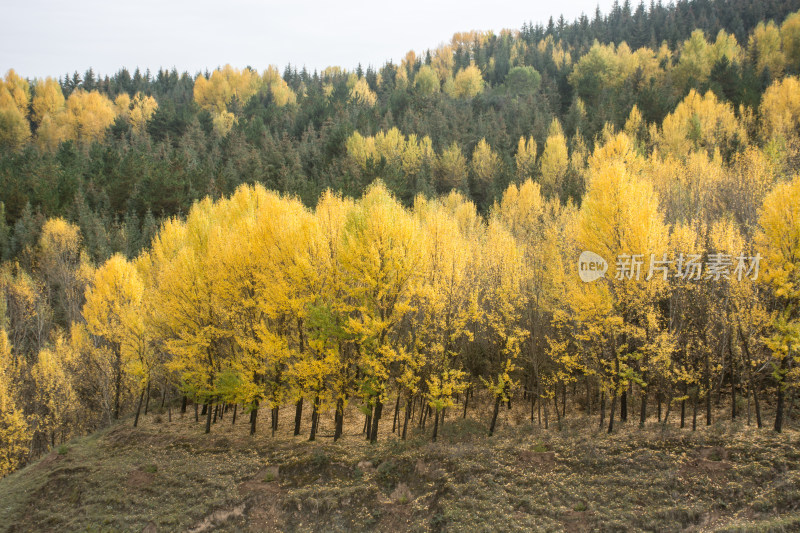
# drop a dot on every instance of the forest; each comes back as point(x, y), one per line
point(397, 238)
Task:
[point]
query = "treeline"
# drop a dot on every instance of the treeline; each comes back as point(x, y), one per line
point(103, 153)
point(259, 240)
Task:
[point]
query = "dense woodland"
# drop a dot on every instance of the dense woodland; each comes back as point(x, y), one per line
point(410, 233)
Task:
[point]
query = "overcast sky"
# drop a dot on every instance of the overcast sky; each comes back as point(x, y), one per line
point(52, 37)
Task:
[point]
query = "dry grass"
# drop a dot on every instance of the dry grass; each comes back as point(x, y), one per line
point(167, 476)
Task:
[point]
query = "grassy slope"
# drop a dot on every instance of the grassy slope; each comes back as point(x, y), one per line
point(167, 476)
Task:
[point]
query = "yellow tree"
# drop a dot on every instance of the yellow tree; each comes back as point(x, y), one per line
point(544, 232)
point(621, 222)
point(426, 81)
point(47, 99)
point(14, 99)
point(701, 123)
point(790, 40)
point(185, 312)
point(525, 158)
point(233, 302)
point(282, 94)
point(698, 57)
point(468, 83)
point(329, 313)
point(290, 269)
point(740, 310)
point(554, 160)
point(779, 244)
point(65, 269)
point(49, 108)
point(485, 169)
point(381, 254)
point(441, 324)
point(88, 115)
point(113, 313)
point(780, 117)
point(501, 304)
point(765, 46)
point(55, 409)
point(361, 93)
point(14, 431)
point(225, 92)
point(451, 169)
point(142, 109)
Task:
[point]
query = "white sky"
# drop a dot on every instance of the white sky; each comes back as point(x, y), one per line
point(52, 37)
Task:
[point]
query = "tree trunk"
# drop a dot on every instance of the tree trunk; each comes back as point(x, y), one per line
point(205, 409)
point(546, 402)
point(435, 427)
point(375, 420)
point(216, 409)
point(533, 403)
point(147, 399)
point(754, 387)
point(643, 411)
point(658, 400)
point(788, 416)
point(396, 413)
point(253, 418)
point(314, 418)
point(602, 409)
point(623, 406)
point(138, 409)
point(298, 416)
point(235, 406)
point(683, 408)
point(183, 405)
point(117, 381)
point(588, 397)
point(751, 379)
point(196, 413)
point(274, 420)
point(666, 415)
point(781, 394)
point(555, 405)
point(613, 409)
point(494, 415)
point(466, 401)
point(368, 423)
point(208, 419)
point(339, 419)
point(409, 402)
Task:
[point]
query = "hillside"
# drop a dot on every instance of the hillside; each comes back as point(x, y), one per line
point(598, 219)
point(169, 476)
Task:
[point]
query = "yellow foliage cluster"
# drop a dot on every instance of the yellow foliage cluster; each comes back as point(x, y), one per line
point(700, 123)
point(697, 57)
point(611, 65)
point(361, 92)
point(401, 152)
point(467, 83)
point(228, 89)
point(14, 99)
